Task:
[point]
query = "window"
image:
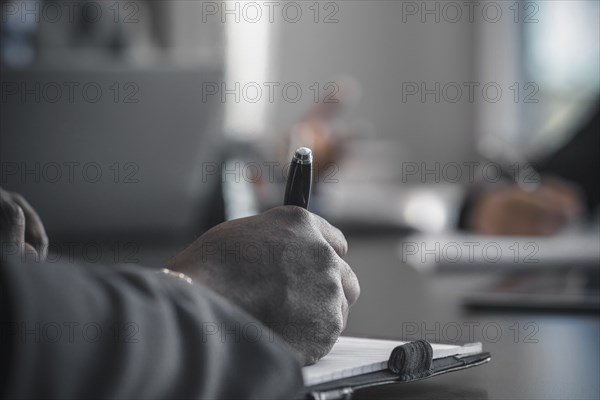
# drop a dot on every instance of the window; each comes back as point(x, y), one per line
point(560, 54)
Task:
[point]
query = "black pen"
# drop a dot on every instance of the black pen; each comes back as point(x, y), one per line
point(299, 181)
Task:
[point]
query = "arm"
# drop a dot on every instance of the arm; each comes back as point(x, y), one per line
point(72, 331)
point(80, 331)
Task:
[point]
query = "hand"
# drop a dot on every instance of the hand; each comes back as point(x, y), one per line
point(512, 211)
point(20, 226)
point(285, 268)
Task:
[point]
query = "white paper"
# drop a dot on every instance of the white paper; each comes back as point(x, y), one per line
point(356, 356)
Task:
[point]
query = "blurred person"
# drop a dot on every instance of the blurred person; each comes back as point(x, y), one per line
point(569, 188)
point(320, 127)
point(236, 314)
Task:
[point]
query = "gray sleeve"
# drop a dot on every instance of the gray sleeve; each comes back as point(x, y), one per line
point(77, 331)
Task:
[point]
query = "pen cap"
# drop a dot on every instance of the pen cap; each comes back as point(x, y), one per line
point(303, 155)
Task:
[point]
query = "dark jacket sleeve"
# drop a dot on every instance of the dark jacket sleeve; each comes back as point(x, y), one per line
point(74, 331)
point(578, 161)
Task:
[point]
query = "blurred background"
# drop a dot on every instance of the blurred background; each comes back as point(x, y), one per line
point(448, 137)
point(156, 93)
point(148, 122)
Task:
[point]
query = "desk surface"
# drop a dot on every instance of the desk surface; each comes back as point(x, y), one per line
point(534, 355)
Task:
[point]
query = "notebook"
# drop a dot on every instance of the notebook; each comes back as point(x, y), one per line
point(359, 362)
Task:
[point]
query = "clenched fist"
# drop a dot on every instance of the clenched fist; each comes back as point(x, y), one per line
point(285, 268)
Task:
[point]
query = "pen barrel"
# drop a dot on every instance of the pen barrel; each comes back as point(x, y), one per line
point(298, 186)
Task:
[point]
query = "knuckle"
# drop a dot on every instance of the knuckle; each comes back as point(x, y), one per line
point(325, 256)
point(294, 214)
point(354, 292)
point(341, 244)
point(335, 237)
point(351, 285)
point(330, 287)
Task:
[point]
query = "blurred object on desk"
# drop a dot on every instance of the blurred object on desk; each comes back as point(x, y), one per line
point(367, 189)
point(561, 272)
point(569, 290)
point(454, 252)
point(384, 206)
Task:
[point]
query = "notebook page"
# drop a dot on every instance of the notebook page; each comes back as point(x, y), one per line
point(356, 356)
